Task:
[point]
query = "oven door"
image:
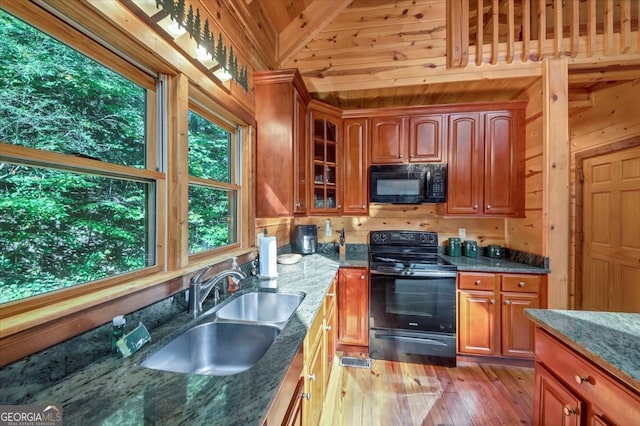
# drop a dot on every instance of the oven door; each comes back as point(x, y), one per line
point(414, 303)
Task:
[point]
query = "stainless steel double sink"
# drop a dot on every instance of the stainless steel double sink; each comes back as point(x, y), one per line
point(229, 338)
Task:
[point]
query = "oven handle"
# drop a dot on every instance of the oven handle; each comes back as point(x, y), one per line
point(435, 274)
point(410, 339)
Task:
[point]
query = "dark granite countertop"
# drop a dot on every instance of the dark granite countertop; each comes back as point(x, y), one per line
point(120, 391)
point(609, 339)
point(490, 264)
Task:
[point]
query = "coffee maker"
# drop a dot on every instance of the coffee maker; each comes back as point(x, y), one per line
point(304, 238)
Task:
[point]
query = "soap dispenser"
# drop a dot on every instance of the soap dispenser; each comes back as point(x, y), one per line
point(233, 284)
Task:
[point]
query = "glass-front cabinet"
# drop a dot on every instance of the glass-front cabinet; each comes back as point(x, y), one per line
point(325, 134)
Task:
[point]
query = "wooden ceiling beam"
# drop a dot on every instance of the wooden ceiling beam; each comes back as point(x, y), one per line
point(315, 17)
point(604, 74)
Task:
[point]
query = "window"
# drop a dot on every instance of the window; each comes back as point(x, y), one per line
point(213, 189)
point(76, 197)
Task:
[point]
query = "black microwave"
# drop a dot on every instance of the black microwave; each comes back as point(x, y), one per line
point(408, 183)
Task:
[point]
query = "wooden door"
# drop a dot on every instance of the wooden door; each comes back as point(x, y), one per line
point(503, 194)
point(315, 388)
point(426, 139)
point(301, 156)
point(355, 192)
point(611, 241)
point(477, 326)
point(517, 330)
point(555, 404)
point(466, 168)
point(388, 144)
point(353, 306)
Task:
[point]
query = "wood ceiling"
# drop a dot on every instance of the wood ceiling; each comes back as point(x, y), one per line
point(375, 53)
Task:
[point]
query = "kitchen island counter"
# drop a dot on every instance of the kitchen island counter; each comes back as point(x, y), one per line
point(611, 340)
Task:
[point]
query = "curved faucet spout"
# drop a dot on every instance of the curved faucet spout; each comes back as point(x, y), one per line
point(199, 291)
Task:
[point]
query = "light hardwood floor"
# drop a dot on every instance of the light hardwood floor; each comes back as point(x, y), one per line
point(395, 393)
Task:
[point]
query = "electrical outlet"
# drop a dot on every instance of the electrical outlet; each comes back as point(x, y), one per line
point(462, 233)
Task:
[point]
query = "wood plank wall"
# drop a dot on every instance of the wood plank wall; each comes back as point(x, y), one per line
point(612, 118)
point(526, 234)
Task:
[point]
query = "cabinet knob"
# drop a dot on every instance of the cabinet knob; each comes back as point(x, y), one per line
point(305, 395)
point(475, 207)
point(312, 376)
point(330, 294)
point(478, 282)
point(400, 156)
point(362, 277)
point(339, 206)
point(569, 411)
point(521, 284)
point(488, 206)
point(298, 204)
point(492, 301)
point(364, 206)
point(328, 328)
point(507, 302)
point(585, 379)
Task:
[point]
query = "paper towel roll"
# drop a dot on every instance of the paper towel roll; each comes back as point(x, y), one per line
point(268, 258)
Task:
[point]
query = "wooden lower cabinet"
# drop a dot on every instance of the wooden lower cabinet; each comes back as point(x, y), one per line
point(319, 350)
point(353, 306)
point(573, 390)
point(491, 317)
point(287, 407)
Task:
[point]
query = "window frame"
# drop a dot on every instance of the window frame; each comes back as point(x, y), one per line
point(33, 324)
point(235, 173)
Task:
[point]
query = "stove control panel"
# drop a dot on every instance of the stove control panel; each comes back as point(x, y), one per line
point(404, 238)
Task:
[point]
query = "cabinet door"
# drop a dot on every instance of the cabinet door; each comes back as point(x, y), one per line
point(426, 139)
point(353, 306)
point(517, 330)
point(503, 186)
point(293, 416)
point(314, 387)
point(388, 143)
point(325, 134)
point(466, 170)
point(555, 404)
point(355, 193)
point(301, 157)
point(477, 327)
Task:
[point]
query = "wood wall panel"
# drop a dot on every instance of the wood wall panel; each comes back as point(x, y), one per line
point(526, 233)
point(612, 118)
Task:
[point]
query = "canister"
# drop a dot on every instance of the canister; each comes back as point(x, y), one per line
point(494, 250)
point(455, 247)
point(470, 248)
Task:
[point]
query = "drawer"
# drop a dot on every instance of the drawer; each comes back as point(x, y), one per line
point(587, 380)
point(477, 281)
point(521, 283)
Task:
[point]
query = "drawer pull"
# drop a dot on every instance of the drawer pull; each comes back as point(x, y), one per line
point(585, 379)
point(312, 376)
point(328, 328)
point(305, 395)
point(478, 282)
point(569, 411)
point(521, 284)
point(492, 301)
point(330, 294)
point(507, 302)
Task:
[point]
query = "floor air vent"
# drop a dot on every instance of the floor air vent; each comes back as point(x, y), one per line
point(348, 361)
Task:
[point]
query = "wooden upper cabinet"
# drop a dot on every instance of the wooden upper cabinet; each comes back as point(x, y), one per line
point(427, 138)
point(503, 185)
point(388, 143)
point(355, 146)
point(466, 171)
point(326, 139)
point(486, 163)
point(281, 152)
point(300, 156)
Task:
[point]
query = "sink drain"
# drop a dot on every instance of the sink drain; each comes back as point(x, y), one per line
point(349, 361)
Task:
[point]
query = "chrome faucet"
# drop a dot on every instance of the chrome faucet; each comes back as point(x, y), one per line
point(198, 290)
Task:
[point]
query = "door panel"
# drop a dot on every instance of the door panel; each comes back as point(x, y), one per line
point(611, 241)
